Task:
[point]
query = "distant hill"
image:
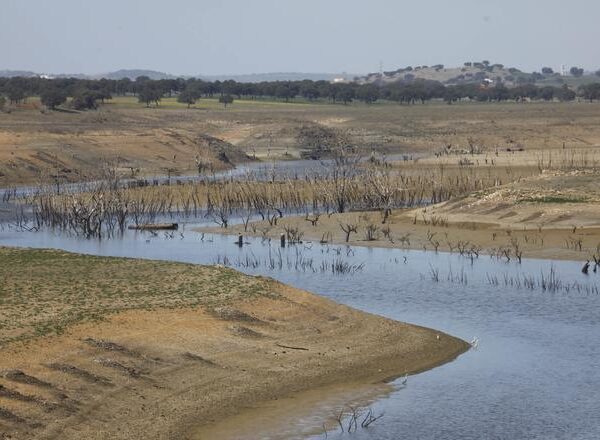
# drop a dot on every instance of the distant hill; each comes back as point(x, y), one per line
point(475, 73)
point(30, 74)
point(470, 73)
point(11, 73)
point(133, 74)
point(119, 74)
point(276, 76)
point(155, 75)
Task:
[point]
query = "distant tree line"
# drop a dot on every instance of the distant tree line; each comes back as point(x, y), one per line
point(88, 94)
point(474, 71)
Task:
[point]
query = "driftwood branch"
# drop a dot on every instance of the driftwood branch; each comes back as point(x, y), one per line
point(291, 348)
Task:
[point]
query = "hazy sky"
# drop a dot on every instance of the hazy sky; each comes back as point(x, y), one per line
point(246, 36)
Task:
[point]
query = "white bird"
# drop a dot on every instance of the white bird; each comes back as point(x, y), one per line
point(475, 342)
point(404, 380)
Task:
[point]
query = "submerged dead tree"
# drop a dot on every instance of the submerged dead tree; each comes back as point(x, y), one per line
point(342, 177)
point(348, 229)
point(342, 184)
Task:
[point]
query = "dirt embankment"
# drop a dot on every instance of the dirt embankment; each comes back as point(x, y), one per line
point(76, 147)
point(165, 372)
point(154, 140)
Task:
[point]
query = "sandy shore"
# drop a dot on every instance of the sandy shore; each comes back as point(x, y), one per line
point(174, 373)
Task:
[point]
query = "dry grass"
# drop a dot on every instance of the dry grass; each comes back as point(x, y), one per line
point(43, 291)
point(153, 140)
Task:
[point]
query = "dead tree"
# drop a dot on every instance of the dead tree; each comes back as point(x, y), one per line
point(383, 189)
point(314, 219)
point(294, 234)
point(342, 171)
point(349, 228)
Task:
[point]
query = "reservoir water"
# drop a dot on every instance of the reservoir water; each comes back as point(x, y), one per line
point(534, 375)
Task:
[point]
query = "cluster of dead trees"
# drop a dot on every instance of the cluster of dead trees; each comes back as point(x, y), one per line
point(346, 183)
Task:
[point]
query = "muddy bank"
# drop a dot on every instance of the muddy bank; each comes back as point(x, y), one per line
point(168, 372)
point(487, 238)
point(551, 216)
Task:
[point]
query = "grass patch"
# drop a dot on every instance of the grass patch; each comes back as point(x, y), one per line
point(44, 292)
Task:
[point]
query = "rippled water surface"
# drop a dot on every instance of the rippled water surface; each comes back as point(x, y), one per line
point(535, 375)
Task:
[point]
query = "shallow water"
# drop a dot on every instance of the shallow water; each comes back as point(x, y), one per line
point(535, 375)
point(259, 170)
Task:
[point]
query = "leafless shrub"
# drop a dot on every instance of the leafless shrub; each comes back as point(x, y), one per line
point(516, 249)
point(370, 418)
point(439, 221)
point(462, 246)
point(476, 146)
point(348, 229)
point(273, 217)
point(293, 234)
point(221, 217)
point(355, 418)
point(246, 220)
point(264, 232)
point(434, 273)
point(387, 233)
point(325, 238)
point(459, 278)
point(405, 239)
point(371, 232)
point(314, 219)
point(574, 243)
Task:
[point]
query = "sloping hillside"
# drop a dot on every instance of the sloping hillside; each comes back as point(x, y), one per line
point(476, 72)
